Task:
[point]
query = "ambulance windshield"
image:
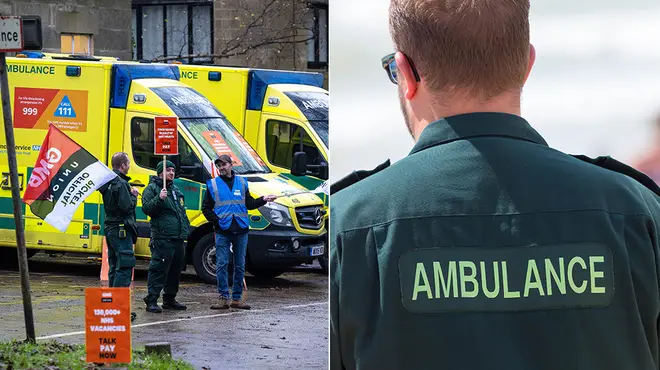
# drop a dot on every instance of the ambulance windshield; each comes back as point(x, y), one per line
point(314, 105)
point(212, 131)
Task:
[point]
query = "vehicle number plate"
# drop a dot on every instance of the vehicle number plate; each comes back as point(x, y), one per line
point(316, 251)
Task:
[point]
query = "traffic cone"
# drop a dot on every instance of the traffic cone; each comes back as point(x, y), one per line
point(105, 268)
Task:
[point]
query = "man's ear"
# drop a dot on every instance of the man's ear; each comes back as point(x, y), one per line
point(532, 59)
point(405, 76)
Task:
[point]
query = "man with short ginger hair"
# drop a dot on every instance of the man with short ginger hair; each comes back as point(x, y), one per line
point(485, 248)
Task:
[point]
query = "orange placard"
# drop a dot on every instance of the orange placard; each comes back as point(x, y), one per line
point(166, 136)
point(108, 325)
point(220, 146)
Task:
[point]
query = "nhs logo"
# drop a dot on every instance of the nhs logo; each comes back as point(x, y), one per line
point(36, 148)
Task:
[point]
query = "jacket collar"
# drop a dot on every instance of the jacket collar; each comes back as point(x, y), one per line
point(122, 175)
point(470, 125)
point(233, 175)
point(158, 180)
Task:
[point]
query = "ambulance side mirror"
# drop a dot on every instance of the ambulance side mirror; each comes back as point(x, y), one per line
point(323, 171)
point(299, 167)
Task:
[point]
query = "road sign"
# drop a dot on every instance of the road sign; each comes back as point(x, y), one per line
point(11, 34)
point(166, 136)
point(108, 325)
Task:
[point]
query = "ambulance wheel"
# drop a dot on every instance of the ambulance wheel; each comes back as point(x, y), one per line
point(31, 253)
point(323, 261)
point(204, 261)
point(8, 258)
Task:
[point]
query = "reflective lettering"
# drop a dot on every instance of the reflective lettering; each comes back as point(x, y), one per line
point(577, 289)
point(551, 272)
point(421, 272)
point(31, 69)
point(440, 279)
point(596, 274)
point(471, 278)
point(505, 283)
point(496, 280)
point(532, 269)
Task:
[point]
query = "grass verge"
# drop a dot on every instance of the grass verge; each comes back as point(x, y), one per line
point(53, 355)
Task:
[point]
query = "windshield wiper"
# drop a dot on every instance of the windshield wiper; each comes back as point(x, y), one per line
point(252, 172)
point(202, 117)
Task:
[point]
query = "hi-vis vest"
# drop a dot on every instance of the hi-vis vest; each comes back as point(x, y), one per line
point(230, 203)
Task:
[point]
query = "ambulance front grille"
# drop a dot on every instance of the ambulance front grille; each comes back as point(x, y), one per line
point(310, 217)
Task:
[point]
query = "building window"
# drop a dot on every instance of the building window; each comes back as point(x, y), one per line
point(317, 47)
point(76, 44)
point(173, 32)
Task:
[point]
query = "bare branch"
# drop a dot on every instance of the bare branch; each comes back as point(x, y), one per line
point(225, 55)
point(273, 25)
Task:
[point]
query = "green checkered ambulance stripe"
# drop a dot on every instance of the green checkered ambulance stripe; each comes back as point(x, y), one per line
point(308, 183)
point(7, 208)
point(96, 214)
point(191, 191)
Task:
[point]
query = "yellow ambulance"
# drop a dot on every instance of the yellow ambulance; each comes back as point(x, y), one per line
point(280, 113)
point(111, 107)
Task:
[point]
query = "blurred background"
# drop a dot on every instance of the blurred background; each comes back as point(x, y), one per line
point(594, 90)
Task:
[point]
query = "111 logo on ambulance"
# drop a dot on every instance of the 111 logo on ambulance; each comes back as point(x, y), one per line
point(65, 109)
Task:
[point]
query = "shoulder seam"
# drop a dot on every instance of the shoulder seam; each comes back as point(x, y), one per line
point(383, 223)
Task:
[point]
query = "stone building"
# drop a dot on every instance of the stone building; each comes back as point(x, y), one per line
point(280, 34)
point(99, 27)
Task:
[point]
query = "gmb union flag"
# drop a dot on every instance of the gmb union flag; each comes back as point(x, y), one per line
point(63, 177)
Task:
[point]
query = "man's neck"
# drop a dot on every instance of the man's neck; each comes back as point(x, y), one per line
point(442, 108)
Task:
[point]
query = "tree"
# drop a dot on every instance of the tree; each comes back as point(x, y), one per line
point(249, 29)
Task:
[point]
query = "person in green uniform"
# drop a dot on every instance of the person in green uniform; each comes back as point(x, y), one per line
point(485, 248)
point(120, 226)
point(169, 229)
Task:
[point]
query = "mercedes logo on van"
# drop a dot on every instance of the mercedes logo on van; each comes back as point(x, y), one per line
point(318, 216)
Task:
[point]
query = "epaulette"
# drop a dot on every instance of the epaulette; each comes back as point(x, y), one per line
point(616, 166)
point(356, 176)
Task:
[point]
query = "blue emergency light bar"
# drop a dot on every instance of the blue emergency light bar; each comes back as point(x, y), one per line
point(33, 54)
point(124, 74)
point(258, 81)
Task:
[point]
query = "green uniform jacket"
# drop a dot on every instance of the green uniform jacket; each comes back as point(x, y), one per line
point(119, 204)
point(487, 249)
point(168, 216)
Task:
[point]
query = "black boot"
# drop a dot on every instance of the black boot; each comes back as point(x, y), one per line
point(152, 306)
point(133, 316)
point(173, 305)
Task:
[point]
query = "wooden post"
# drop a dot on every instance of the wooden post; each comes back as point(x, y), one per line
point(16, 200)
point(164, 169)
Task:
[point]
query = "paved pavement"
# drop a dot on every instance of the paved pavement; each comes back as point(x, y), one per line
point(287, 326)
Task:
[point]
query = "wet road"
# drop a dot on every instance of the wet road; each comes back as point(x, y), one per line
point(287, 326)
